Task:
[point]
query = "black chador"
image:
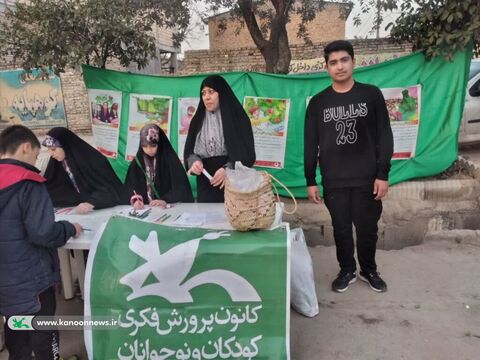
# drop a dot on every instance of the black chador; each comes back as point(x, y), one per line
point(84, 176)
point(158, 177)
point(237, 141)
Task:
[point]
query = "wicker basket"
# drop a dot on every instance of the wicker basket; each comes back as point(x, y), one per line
point(251, 210)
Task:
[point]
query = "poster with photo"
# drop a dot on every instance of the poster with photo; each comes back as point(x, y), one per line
point(146, 109)
point(105, 109)
point(403, 105)
point(186, 109)
point(269, 118)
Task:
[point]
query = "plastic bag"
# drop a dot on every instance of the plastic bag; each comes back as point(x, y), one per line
point(244, 179)
point(303, 297)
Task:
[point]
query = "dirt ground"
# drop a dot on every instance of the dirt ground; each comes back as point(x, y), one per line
point(431, 309)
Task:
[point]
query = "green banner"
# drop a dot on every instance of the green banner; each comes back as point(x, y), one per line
point(188, 293)
point(442, 85)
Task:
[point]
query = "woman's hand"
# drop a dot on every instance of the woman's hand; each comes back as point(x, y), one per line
point(84, 208)
point(219, 178)
point(159, 203)
point(196, 168)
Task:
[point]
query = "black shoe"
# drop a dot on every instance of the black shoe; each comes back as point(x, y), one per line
point(374, 280)
point(340, 284)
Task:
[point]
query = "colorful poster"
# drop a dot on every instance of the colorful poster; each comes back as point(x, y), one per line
point(403, 106)
point(269, 118)
point(145, 109)
point(186, 109)
point(188, 293)
point(105, 110)
point(31, 99)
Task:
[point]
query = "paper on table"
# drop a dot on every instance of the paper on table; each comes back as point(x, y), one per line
point(215, 217)
point(64, 211)
point(196, 219)
point(190, 219)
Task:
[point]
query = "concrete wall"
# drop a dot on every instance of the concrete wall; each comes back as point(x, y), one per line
point(328, 25)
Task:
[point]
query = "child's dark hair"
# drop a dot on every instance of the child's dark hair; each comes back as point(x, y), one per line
point(337, 45)
point(14, 136)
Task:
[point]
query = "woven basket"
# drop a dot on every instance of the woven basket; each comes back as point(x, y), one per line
point(252, 210)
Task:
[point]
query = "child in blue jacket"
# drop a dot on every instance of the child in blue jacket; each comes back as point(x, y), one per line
point(29, 238)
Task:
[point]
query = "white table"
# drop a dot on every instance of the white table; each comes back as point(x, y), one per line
point(215, 219)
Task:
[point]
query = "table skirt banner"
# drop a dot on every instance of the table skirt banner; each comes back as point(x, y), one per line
point(187, 293)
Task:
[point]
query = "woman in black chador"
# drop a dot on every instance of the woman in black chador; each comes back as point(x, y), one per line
point(79, 175)
point(156, 175)
point(220, 134)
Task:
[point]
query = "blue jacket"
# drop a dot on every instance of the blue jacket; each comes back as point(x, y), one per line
point(29, 238)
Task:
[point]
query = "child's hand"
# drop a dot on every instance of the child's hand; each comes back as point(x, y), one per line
point(78, 229)
point(138, 205)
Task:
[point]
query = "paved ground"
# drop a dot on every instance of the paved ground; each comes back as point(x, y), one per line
point(471, 152)
point(431, 311)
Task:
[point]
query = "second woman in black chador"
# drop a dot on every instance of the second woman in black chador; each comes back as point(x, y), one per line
point(156, 175)
point(220, 134)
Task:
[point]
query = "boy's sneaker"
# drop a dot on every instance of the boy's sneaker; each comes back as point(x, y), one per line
point(340, 284)
point(374, 280)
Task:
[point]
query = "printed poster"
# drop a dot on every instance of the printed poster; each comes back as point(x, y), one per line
point(186, 109)
point(105, 110)
point(269, 118)
point(31, 99)
point(146, 109)
point(188, 293)
point(403, 104)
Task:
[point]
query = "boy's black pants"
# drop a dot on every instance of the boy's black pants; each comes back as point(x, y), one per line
point(355, 205)
point(44, 344)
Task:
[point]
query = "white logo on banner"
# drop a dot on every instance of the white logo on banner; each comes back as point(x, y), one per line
point(172, 267)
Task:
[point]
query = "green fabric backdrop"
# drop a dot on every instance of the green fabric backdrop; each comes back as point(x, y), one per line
point(442, 99)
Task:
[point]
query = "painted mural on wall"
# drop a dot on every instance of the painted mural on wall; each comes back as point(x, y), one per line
point(32, 99)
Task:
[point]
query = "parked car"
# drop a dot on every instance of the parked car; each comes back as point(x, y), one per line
point(470, 127)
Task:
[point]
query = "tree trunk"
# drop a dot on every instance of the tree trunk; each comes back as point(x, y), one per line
point(275, 50)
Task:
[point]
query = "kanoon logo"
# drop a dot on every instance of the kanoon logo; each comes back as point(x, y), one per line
point(171, 273)
point(21, 322)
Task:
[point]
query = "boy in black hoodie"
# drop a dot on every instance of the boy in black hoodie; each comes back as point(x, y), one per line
point(29, 238)
point(347, 131)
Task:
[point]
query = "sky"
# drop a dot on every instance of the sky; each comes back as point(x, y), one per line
point(198, 36)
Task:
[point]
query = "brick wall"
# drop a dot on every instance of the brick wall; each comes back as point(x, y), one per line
point(76, 101)
point(328, 25)
point(250, 59)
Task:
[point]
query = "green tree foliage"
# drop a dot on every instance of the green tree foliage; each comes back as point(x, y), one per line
point(66, 33)
point(266, 21)
point(440, 27)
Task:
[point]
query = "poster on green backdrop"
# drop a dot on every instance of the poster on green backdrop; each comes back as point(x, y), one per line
point(188, 293)
point(425, 127)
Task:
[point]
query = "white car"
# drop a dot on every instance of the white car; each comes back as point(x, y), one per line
point(470, 127)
